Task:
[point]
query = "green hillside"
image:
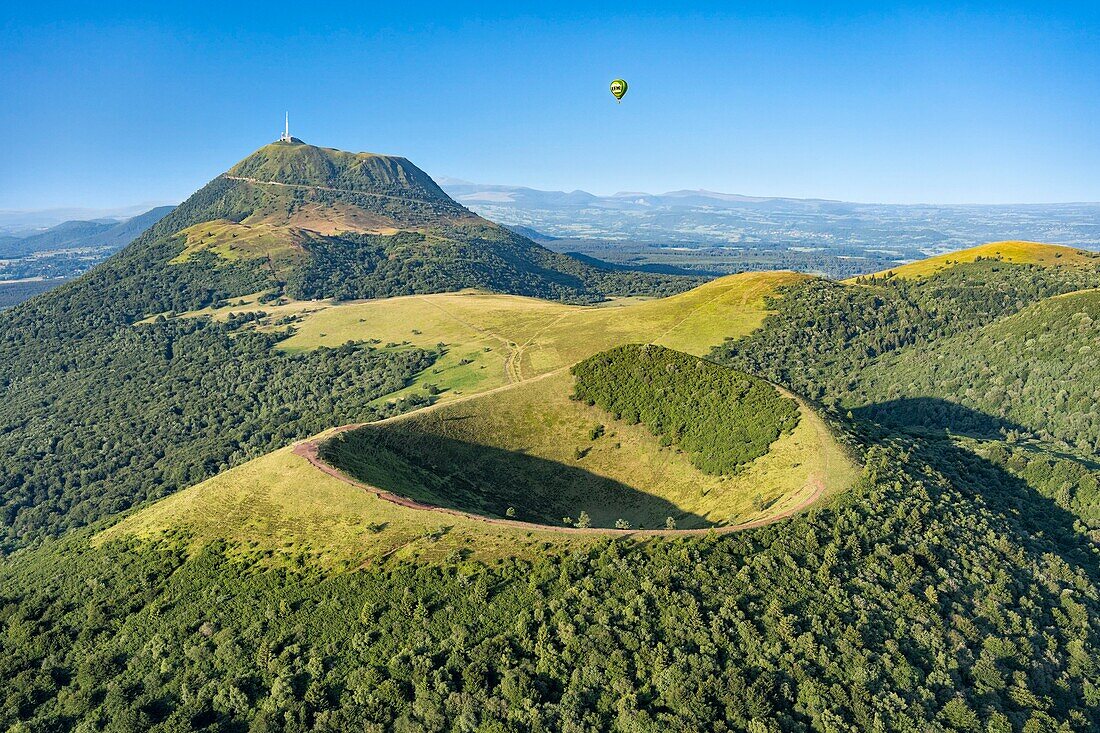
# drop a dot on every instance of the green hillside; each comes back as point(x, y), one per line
point(298, 164)
point(991, 350)
point(66, 234)
point(1036, 371)
point(490, 340)
point(377, 226)
point(827, 336)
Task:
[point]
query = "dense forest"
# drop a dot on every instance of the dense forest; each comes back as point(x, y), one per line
point(723, 419)
point(941, 594)
point(997, 353)
point(1073, 485)
point(953, 589)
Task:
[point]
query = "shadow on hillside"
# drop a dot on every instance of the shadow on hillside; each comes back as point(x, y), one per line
point(1039, 522)
point(485, 480)
point(932, 414)
point(1036, 520)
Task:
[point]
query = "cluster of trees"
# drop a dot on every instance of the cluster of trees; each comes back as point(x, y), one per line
point(722, 418)
point(154, 408)
point(916, 603)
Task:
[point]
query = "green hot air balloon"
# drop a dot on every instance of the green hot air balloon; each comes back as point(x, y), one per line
point(618, 88)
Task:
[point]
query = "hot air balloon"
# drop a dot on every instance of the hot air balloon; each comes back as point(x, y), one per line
point(618, 88)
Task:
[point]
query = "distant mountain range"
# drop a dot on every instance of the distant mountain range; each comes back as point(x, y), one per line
point(707, 232)
point(521, 196)
point(97, 233)
point(25, 222)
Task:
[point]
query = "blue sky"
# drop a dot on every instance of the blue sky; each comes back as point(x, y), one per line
point(106, 104)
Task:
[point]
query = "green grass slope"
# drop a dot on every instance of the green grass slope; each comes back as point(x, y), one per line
point(491, 340)
point(279, 510)
point(298, 164)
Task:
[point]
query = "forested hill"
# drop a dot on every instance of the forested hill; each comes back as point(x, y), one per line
point(312, 222)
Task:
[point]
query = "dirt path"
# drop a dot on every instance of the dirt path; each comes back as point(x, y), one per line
point(437, 405)
point(514, 365)
point(482, 331)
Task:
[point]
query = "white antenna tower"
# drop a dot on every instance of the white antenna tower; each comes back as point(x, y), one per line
point(286, 138)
